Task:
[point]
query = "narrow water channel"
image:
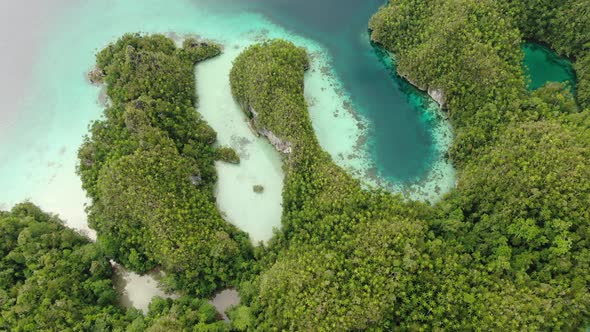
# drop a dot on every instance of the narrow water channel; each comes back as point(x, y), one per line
point(362, 116)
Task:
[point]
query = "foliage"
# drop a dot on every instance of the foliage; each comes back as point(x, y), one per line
point(533, 201)
point(241, 318)
point(469, 50)
point(506, 251)
point(324, 208)
point(148, 168)
point(520, 215)
point(227, 155)
point(266, 80)
point(582, 67)
point(550, 101)
point(53, 279)
point(565, 25)
point(348, 286)
point(183, 314)
point(160, 199)
point(517, 223)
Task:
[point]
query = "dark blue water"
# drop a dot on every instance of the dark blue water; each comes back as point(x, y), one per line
point(400, 139)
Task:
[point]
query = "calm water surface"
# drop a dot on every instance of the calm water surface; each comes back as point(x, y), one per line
point(400, 139)
point(47, 104)
point(543, 65)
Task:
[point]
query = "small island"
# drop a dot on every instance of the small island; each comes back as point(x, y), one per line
point(508, 249)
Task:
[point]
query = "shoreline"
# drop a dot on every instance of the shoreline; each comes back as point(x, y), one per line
point(258, 214)
point(440, 177)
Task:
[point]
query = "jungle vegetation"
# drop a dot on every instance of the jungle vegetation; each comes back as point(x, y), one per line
point(508, 249)
point(148, 168)
point(54, 279)
point(51, 278)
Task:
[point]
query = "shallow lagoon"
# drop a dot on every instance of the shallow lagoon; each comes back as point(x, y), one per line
point(260, 163)
point(47, 105)
point(137, 291)
point(47, 128)
point(54, 104)
point(380, 128)
point(542, 65)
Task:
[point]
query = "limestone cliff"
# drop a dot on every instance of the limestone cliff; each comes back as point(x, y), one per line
point(279, 144)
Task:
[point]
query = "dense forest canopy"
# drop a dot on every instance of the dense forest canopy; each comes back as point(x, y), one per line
point(148, 167)
point(328, 268)
point(53, 279)
point(508, 249)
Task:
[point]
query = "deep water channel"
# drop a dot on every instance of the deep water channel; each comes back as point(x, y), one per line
point(373, 123)
point(395, 135)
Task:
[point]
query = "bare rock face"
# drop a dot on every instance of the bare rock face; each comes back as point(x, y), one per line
point(281, 146)
point(438, 95)
point(253, 112)
point(96, 76)
point(196, 180)
point(414, 83)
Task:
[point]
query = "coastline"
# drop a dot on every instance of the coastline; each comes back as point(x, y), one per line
point(259, 214)
point(436, 94)
point(344, 133)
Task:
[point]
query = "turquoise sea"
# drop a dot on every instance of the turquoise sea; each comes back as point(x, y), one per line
point(400, 137)
point(381, 130)
point(373, 123)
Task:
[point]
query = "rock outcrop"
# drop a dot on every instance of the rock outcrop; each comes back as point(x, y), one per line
point(96, 76)
point(437, 95)
point(279, 144)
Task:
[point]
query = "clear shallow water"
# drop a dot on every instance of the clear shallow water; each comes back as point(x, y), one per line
point(225, 300)
point(399, 141)
point(386, 131)
point(137, 291)
point(55, 104)
point(260, 163)
point(543, 65)
point(47, 109)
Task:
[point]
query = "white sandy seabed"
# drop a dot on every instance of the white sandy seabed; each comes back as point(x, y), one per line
point(39, 163)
